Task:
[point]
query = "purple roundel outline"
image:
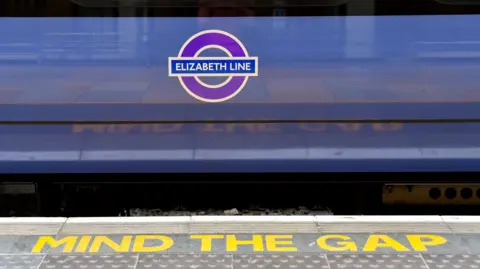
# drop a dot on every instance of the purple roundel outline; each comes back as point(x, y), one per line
point(214, 39)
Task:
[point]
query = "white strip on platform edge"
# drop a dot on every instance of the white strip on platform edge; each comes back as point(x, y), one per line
point(172, 219)
point(461, 219)
point(38, 220)
point(265, 219)
point(253, 218)
point(377, 219)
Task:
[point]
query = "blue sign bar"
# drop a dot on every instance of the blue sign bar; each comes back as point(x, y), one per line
point(212, 66)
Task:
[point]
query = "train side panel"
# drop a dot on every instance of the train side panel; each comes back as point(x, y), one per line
point(71, 82)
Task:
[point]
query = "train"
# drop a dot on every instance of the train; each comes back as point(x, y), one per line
point(331, 86)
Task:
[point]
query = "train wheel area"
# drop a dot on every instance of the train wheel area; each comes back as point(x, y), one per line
point(236, 242)
point(161, 195)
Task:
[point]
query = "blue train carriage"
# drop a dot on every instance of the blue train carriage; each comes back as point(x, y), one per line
point(266, 85)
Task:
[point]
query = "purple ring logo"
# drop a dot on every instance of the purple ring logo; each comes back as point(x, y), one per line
point(237, 66)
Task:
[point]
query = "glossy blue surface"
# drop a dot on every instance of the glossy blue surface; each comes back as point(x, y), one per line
point(404, 67)
point(239, 148)
point(316, 63)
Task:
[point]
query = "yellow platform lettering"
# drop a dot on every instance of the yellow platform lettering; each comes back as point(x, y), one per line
point(123, 246)
point(83, 244)
point(236, 243)
point(256, 242)
point(139, 244)
point(68, 243)
point(280, 243)
point(419, 242)
point(336, 242)
point(376, 241)
point(206, 240)
point(273, 243)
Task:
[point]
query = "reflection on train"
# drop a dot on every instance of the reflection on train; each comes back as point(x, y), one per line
point(129, 34)
point(249, 128)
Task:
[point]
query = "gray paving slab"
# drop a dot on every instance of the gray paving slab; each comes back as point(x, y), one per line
point(25, 244)
point(7, 242)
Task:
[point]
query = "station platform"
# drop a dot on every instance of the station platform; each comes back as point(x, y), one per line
point(241, 242)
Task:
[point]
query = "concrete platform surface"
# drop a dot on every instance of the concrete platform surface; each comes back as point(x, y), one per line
point(241, 242)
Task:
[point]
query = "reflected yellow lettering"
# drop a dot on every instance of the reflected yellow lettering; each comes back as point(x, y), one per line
point(206, 240)
point(350, 127)
point(343, 243)
point(419, 242)
point(268, 127)
point(120, 128)
point(83, 244)
point(387, 126)
point(256, 242)
point(139, 243)
point(273, 241)
point(124, 245)
point(249, 127)
point(313, 127)
point(211, 128)
point(162, 128)
point(94, 128)
point(375, 241)
point(68, 243)
point(230, 128)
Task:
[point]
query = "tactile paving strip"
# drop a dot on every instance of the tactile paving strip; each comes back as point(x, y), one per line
point(446, 261)
point(289, 261)
point(114, 261)
point(241, 261)
point(390, 261)
point(194, 261)
point(20, 261)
